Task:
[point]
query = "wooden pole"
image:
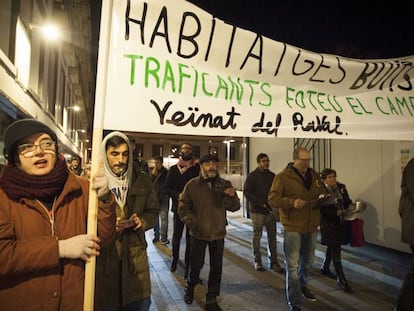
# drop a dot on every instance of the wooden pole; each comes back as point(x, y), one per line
point(104, 39)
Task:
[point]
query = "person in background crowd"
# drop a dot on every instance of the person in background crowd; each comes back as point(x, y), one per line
point(87, 171)
point(202, 207)
point(334, 229)
point(178, 175)
point(43, 220)
point(405, 299)
point(295, 192)
point(137, 156)
point(256, 189)
point(122, 270)
point(75, 166)
point(158, 176)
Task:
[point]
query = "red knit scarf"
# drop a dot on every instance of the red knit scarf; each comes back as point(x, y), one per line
point(17, 184)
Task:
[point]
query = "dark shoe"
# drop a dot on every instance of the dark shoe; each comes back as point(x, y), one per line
point(341, 280)
point(276, 267)
point(173, 266)
point(343, 284)
point(213, 307)
point(155, 240)
point(165, 241)
point(189, 294)
point(258, 266)
point(306, 292)
point(328, 273)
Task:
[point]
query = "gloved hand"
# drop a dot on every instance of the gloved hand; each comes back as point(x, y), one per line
point(100, 185)
point(80, 246)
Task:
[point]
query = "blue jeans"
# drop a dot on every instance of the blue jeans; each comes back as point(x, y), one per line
point(299, 254)
point(268, 221)
point(139, 305)
point(161, 227)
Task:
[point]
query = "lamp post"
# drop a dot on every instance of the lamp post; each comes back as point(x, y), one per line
point(84, 149)
point(228, 142)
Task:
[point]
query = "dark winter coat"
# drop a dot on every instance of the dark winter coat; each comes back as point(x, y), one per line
point(158, 182)
point(175, 182)
point(32, 276)
point(334, 230)
point(131, 246)
point(406, 207)
point(203, 209)
point(286, 188)
point(256, 189)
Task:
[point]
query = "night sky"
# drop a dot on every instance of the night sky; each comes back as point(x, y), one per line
point(358, 29)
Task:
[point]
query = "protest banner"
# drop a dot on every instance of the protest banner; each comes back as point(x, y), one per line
point(170, 67)
point(173, 68)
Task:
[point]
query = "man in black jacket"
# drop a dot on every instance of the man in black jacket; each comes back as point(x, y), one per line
point(256, 190)
point(158, 176)
point(178, 175)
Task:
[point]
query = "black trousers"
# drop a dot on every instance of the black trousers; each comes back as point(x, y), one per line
point(178, 228)
point(198, 254)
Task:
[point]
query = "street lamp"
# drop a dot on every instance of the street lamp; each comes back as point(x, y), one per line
point(75, 108)
point(228, 142)
point(49, 31)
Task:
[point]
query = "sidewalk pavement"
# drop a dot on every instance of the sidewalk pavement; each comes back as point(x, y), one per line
point(379, 263)
point(376, 273)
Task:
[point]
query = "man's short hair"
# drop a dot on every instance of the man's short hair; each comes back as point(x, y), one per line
point(158, 158)
point(260, 156)
point(297, 150)
point(191, 146)
point(115, 141)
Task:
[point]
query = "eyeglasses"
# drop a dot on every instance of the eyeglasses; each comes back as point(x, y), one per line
point(305, 160)
point(29, 150)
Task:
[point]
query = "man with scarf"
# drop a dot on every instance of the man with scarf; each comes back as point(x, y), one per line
point(43, 220)
point(202, 207)
point(178, 175)
point(122, 270)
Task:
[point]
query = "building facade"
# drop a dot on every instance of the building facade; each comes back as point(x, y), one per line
point(50, 80)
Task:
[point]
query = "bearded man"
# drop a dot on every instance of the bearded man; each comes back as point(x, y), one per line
point(202, 207)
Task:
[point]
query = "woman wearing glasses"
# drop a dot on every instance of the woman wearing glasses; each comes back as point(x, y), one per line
point(43, 218)
point(334, 231)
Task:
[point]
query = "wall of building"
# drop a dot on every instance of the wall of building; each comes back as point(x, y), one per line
point(370, 169)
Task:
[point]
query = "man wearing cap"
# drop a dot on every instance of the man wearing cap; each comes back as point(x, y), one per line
point(202, 207)
point(43, 219)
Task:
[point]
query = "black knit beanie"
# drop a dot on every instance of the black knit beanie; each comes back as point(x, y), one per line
point(208, 158)
point(19, 130)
